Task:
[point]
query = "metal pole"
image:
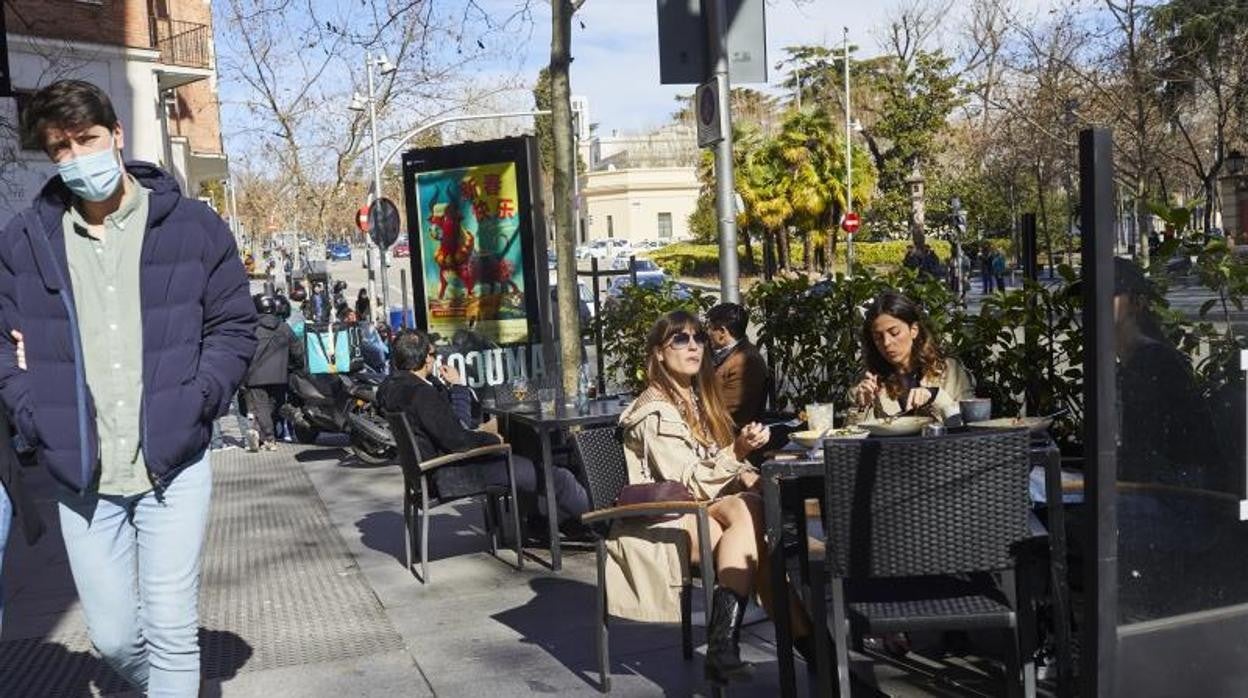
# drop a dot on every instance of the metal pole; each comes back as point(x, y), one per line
point(576, 179)
point(797, 72)
point(849, 164)
point(372, 277)
point(725, 203)
point(372, 120)
point(403, 284)
point(1100, 425)
point(602, 362)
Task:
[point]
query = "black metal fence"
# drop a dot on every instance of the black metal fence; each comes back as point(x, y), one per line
point(182, 43)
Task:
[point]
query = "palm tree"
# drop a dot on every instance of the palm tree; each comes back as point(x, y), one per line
point(807, 149)
point(811, 155)
point(760, 180)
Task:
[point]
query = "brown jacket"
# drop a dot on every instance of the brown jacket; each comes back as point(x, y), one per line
point(743, 383)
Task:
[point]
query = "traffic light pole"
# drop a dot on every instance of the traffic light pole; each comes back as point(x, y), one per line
point(725, 199)
point(849, 162)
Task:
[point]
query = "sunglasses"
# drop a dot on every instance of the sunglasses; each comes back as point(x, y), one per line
point(680, 340)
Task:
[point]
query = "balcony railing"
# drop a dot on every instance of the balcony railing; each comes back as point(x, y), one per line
point(182, 43)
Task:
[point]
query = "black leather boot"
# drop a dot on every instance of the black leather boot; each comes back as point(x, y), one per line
point(723, 647)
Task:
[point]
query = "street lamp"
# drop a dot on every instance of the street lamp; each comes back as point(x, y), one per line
point(1235, 162)
point(358, 103)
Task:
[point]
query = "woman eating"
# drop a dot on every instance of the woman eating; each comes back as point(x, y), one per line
point(678, 430)
point(906, 371)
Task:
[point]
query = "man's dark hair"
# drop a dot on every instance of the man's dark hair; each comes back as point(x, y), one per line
point(410, 350)
point(66, 104)
point(729, 316)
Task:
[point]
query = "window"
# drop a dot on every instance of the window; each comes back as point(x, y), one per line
point(665, 226)
point(610, 227)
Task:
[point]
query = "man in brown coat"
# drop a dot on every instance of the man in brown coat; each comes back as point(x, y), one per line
point(740, 368)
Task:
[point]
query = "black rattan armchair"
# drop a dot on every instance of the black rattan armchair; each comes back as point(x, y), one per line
point(602, 455)
point(918, 530)
point(420, 493)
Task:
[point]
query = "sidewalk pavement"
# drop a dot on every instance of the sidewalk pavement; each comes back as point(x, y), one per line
point(304, 594)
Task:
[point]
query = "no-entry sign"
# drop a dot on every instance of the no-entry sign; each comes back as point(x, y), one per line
point(361, 219)
point(850, 223)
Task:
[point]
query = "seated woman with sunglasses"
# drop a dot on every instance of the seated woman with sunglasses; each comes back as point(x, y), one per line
point(906, 370)
point(439, 415)
point(678, 430)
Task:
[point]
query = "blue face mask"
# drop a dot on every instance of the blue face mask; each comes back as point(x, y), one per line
point(92, 177)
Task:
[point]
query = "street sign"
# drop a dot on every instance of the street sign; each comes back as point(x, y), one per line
point(706, 104)
point(383, 222)
point(682, 41)
point(851, 222)
point(361, 219)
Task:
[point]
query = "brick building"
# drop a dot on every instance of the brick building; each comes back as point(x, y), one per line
point(155, 60)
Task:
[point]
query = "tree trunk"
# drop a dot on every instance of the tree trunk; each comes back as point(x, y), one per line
point(784, 260)
point(565, 220)
point(750, 266)
point(1044, 216)
point(829, 244)
point(808, 251)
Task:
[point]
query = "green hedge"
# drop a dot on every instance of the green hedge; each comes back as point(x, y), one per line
point(690, 259)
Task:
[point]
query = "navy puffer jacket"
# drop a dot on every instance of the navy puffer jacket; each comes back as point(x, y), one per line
point(198, 332)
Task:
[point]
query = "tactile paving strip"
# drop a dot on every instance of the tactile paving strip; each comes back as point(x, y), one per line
point(279, 589)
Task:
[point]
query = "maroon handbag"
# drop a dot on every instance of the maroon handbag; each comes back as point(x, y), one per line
point(645, 493)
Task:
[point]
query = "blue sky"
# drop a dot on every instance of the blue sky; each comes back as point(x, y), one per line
point(615, 49)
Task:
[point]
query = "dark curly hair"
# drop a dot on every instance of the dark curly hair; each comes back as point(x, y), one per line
point(929, 360)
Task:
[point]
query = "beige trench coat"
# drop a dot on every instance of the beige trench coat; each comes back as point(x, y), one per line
point(647, 560)
point(954, 383)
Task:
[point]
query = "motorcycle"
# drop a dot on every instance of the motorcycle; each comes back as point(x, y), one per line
point(345, 404)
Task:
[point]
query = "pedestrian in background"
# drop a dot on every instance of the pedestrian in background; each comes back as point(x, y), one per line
point(277, 350)
point(137, 305)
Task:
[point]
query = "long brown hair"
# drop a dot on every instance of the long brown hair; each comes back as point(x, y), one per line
point(713, 426)
point(928, 359)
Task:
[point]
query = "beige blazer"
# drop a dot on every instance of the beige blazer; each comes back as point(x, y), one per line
point(955, 384)
point(648, 561)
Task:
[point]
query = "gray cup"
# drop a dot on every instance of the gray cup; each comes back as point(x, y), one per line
point(977, 410)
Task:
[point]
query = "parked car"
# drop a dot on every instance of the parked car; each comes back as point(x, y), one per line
point(584, 305)
point(401, 249)
point(604, 249)
point(338, 252)
point(647, 279)
point(641, 264)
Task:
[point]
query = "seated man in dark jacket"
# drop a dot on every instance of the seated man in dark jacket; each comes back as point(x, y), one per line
point(439, 430)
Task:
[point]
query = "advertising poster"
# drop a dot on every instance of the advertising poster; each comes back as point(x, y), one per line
point(471, 253)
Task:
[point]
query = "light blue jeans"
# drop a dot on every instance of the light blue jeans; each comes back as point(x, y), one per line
point(6, 519)
point(136, 564)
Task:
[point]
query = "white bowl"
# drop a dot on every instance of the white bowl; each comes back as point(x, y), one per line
point(897, 426)
point(1036, 425)
point(810, 438)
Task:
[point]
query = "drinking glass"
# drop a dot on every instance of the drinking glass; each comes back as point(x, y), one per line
point(819, 416)
point(547, 397)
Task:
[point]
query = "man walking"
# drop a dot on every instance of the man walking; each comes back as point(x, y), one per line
point(133, 327)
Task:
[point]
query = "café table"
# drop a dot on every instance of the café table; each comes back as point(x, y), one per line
point(545, 423)
point(793, 475)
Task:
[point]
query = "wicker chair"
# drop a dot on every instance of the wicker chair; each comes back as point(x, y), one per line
point(916, 529)
point(420, 493)
point(602, 454)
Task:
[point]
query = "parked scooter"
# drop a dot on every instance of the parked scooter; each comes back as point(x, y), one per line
point(341, 403)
